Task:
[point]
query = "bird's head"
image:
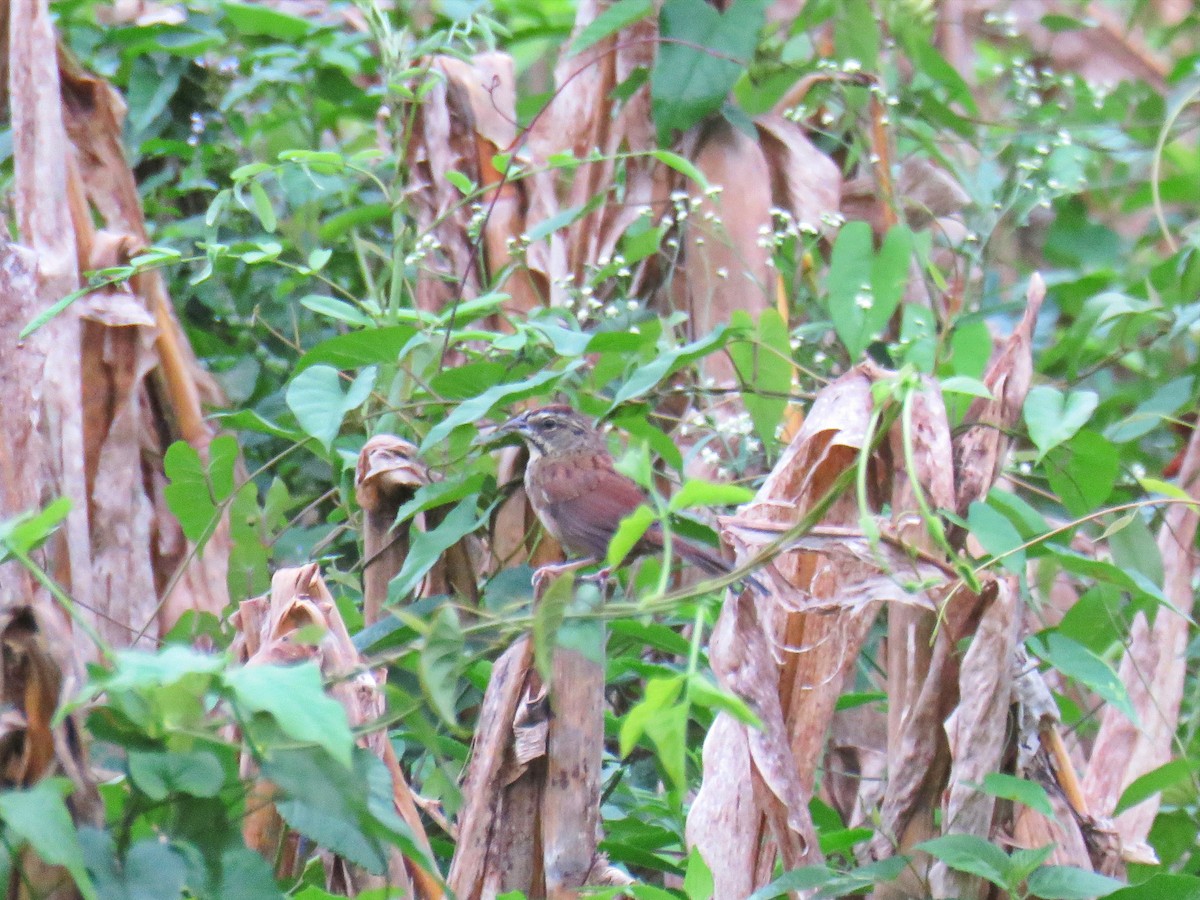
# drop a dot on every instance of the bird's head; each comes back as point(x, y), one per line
point(554, 430)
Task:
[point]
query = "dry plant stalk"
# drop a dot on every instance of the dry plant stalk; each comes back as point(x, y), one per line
point(34, 678)
point(105, 379)
point(267, 627)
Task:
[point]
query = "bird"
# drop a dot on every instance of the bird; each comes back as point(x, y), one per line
point(579, 497)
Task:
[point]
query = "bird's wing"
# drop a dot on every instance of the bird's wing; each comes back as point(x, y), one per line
point(588, 500)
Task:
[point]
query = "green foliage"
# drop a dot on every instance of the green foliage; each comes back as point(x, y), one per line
point(281, 209)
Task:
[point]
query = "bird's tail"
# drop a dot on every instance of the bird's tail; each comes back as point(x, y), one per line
point(708, 560)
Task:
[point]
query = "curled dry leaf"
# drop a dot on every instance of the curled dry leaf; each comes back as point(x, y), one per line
point(977, 731)
point(388, 474)
point(980, 450)
point(1153, 671)
point(788, 664)
point(300, 602)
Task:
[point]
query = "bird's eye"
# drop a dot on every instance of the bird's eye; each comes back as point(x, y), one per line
point(549, 423)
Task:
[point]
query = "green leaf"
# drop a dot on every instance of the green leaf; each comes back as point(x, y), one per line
point(149, 870)
point(255, 20)
point(698, 882)
point(997, 535)
point(196, 492)
point(970, 854)
point(1069, 883)
point(328, 802)
point(1076, 661)
point(262, 206)
point(620, 15)
point(681, 165)
point(39, 815)
point(856, 34)
point(1009, 787)
point(1162, 887)
point(315, 397)
point(703, 692)
point(1054, 417)
point(695, 492)
point(1150, 413)
point(158, 775)
point(295, 697)
point(24, 533)
point(807, 879)
point(963, 384)
point(359, 348)
point(628, 533)
point(443, 657)
point(479, 406)
point(1154, 782)
point(764, 366)
point(662, 694)
point(1083, 471)
point(428, 546)
point(335, 309)
point(702, 54)
point(849, 285)
point(646, 377)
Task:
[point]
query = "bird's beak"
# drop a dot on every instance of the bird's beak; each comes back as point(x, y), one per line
point(513, 426)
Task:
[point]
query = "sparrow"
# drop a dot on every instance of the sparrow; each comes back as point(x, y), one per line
point(577, 494)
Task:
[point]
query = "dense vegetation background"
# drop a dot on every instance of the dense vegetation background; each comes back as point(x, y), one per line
point(788, 251)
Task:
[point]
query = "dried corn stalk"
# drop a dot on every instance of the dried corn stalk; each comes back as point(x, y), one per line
point(103, 381)
point(267, 626)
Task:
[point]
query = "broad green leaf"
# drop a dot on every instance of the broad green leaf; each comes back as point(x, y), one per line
point(327, 801)
point(1076, 661)
point(620, 15)
point(698, 882)
point(443, 656)
point(683, 166)
point(359, 348)
point(997, 535)
point(1069, 883)
point(1009, 787)
point(149, 870)
point(335, 309)
point(849, 284)
point(39, 815)
point(647, 377)
point(703, 692)
point(315, 397)
point(1149, 414)
point(661, 695)
point(256, 20)
point(196, 492)
point(158, 775)
point(668, 731)
point(479, 406)
point(1082, 471)
point(1154, 782)
point(856, 34)
point(964, 384)
point(702, 54)
point(1054, 417)
point(295, 697)
point(807, 879)
point(428, 546)
point(1162, 887)
point(970, 854)
point(764, 367)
